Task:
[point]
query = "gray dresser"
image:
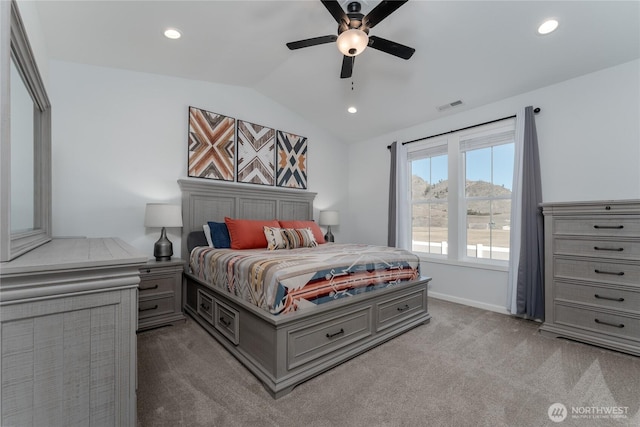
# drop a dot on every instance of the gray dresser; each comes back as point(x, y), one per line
point(68, 313)
point(592, 273)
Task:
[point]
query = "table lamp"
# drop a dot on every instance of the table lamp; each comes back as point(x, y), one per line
point(163, 215)
point(329, 218)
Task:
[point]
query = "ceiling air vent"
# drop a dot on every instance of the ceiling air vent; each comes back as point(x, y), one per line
point(445, 107)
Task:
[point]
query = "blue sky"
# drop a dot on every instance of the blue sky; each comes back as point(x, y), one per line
point(478, 166)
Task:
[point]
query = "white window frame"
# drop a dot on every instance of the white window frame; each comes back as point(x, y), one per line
point(457, 236)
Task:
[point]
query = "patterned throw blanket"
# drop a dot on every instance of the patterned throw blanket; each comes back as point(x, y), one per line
point(283, 281)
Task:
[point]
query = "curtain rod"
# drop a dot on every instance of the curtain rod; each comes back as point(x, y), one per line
point(535, 110)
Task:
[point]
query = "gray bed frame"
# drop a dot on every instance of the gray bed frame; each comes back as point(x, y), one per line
point(284, 351)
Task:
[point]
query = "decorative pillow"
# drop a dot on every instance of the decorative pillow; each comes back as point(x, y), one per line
point(248, 233)
point(299, 237)
point(315, 228)
point(207, 234)
point(275, 238)
point(219, 235)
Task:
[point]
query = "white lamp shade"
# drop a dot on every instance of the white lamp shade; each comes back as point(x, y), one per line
point(162, 215)
point(352, 42)
point(329, 218)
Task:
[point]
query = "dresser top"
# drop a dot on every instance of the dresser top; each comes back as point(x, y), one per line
point(611, 207)
point(66, 254)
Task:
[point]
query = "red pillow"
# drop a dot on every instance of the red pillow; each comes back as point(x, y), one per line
point(317, 232)
point(248, 233)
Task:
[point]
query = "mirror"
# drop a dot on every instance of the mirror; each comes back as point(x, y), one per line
point(25, 142)
point(22, 172)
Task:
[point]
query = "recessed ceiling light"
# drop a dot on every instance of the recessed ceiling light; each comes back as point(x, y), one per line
point(172, 33)
point(352, 110)
point(548, 26)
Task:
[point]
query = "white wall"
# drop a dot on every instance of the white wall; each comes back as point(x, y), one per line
point(589, 141)
point(120, 141)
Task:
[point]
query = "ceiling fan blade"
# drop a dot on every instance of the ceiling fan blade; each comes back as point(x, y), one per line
point(393, 48)
point(347, 66)
point(311, 42)
point(381, 11)
point(336, 11)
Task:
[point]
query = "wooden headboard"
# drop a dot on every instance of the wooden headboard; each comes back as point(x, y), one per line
point(208, 200)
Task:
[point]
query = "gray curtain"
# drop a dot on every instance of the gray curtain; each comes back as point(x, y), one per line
point(530, 283)
point(393, 194)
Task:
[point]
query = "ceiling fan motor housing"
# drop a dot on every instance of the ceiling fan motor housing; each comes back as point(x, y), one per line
point(353, 32)
point(355, 19)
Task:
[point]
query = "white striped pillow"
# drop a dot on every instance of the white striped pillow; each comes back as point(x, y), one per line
point(299, 237)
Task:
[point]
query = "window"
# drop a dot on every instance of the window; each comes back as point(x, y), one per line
point(460, 193)
point(429, 199)
point(488, 180)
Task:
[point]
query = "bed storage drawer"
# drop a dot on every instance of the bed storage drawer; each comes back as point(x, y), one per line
point(205, 306)
point(397, 309)
point(227, 321)
point(310, 342)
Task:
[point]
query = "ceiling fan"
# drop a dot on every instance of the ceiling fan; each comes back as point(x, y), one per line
point(353, 33)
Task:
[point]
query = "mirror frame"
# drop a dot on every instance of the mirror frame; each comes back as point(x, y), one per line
point(14, 44)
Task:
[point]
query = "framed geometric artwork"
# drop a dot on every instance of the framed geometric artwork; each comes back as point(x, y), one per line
point(291, 169)
point(211, 145)
point(256, 154)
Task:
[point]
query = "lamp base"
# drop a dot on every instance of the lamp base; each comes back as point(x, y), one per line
point(163, 248)
point(329, 236)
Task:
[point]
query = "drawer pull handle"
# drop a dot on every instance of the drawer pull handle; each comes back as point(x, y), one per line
point(225, 322)
point(149, 287)
point(609, 298)
point(613, 273)
point(148, 308)
point(598, 248)
point(405, 307)
point(205, 307)
point(612, 227)
point(615, 325)
point(335, 334)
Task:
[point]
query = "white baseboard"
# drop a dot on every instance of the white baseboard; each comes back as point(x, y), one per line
point(469, 302)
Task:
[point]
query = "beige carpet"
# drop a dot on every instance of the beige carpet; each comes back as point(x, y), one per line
point(468, 367)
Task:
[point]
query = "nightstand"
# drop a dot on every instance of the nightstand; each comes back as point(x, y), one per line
point(160, 293)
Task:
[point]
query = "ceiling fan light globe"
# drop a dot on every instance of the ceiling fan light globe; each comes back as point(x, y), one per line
point(352, 42)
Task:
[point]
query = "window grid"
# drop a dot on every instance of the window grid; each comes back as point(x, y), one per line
point(480, 236)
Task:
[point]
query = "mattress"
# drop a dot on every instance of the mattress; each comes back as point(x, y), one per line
point(284, 281)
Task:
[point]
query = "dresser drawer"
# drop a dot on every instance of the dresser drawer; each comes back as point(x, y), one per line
point(610, 249)
point(311, 342)
point(227, 321)
point(595, 226)
point(596, 271)
point(397, 309)
point(598, 295)
point(151, 285)
point(155, 307)
point(615, 325)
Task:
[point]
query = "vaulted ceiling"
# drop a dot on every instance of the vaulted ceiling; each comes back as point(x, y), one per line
point(474, 51)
